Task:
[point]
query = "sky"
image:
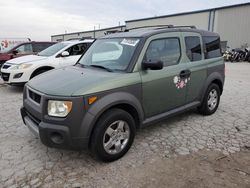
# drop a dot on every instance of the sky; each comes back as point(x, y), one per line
point(39, 19)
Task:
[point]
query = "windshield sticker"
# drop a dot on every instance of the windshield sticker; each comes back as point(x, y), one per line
point(130, 42)
point(180, 82)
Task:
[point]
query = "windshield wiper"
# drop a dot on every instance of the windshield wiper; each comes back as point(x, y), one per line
point(102, 67)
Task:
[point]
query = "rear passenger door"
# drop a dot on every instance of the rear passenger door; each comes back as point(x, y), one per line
point(24, 49)
point(194, 58)
point(162, 89)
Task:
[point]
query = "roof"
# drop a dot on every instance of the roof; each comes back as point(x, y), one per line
point(78, 41)
point(191, 12)
point(149, 32)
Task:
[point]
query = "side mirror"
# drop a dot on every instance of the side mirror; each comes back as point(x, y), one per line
point(153, 65)
point(15, 52)
point(65, 54)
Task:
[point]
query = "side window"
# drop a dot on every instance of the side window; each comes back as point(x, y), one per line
point(212, 47)
point(78, 49)
point(25, 48)
point(84, 47)
point(38, 47)
point(193, 48)
point(166, 50)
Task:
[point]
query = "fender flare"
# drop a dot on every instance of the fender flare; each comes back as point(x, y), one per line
point(105, 103)
point(41, 68)
point(210, 79)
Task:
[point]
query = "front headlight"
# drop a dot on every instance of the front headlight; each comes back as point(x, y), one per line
point(59, 108)
point(21, 66)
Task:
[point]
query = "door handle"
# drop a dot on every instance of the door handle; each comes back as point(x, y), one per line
point(185, 73)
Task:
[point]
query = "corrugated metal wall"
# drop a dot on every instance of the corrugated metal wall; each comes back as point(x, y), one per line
point(92, 34)
point(200, 20)
point(233, 24)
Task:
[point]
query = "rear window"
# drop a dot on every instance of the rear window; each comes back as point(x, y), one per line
point(193, 48)
point(212, 47)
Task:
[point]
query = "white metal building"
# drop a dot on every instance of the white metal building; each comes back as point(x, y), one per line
point(231, 22)
point(87, 34)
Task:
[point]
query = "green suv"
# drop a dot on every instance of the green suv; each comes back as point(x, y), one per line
point(125, 81)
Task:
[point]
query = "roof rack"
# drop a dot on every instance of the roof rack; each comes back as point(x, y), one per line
point(162, 27)
point(83, 38)
point(188, 26)
point(166, 26)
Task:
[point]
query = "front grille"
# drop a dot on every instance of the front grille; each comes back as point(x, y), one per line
point(35, 97)
point(5, 76)
point(33, 118)
point(6, 66)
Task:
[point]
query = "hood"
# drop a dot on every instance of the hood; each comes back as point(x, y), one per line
point(77, 81)
point(26, 59)
point(4, 56)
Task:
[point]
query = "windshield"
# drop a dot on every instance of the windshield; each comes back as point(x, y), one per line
point(52, 50)
point(112, 54)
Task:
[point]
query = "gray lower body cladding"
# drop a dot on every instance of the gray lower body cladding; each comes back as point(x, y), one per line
point(73, 131)
point(52, 135)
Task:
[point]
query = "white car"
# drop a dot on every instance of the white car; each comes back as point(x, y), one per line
point(22, 69)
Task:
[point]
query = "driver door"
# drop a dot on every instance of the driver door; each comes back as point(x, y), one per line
point(24, 49)
point(165, 89)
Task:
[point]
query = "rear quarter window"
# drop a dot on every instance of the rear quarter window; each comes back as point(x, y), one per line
point(212, 47)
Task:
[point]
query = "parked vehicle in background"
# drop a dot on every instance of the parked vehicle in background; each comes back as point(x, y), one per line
point(228, 55)
point(247, 54)
point(22, 69)
point(123, 82)
point(8, 43)
point(237, 54)
point(22, 49)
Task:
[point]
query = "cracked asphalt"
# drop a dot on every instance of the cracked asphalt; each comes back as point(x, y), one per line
point(25, 162)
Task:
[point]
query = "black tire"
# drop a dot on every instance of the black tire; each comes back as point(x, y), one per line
point(98, 138)
point(205, 108)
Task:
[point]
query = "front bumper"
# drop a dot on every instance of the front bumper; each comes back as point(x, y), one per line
point(70, 132)
point(51, 135)
point(9, 76)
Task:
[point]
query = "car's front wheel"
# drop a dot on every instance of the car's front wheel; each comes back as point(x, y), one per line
point(113, 135)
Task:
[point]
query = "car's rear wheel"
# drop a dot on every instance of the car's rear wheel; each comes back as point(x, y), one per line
point(211, 100)
point(113, 135)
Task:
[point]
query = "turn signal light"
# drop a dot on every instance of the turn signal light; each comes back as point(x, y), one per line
point(91, 100)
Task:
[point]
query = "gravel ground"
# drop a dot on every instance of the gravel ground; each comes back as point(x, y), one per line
point(25, 162)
